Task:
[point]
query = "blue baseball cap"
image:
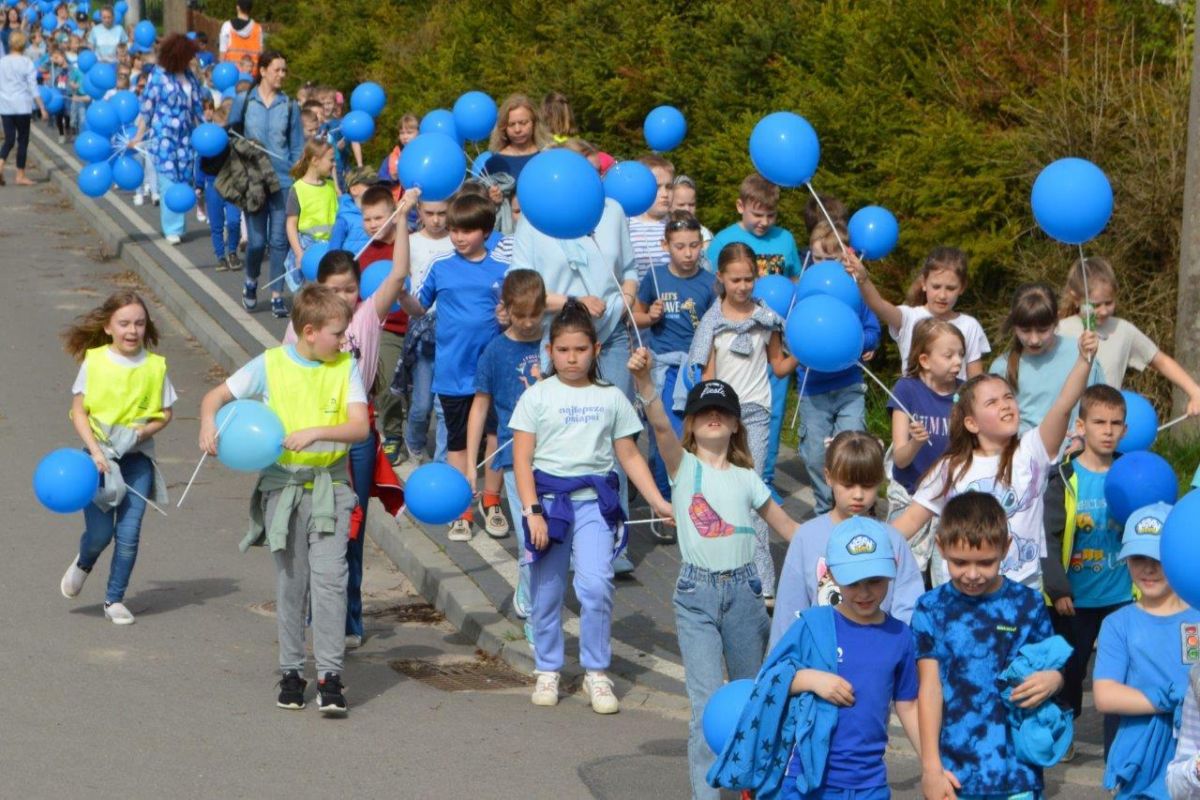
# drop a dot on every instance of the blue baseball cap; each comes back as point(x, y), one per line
point(860, 548)
point(1143, 532)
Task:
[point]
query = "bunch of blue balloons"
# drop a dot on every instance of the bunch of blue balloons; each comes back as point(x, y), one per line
point(103, 145)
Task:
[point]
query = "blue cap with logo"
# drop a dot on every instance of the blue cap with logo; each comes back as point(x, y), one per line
point(860, 548)
point(1143, 531)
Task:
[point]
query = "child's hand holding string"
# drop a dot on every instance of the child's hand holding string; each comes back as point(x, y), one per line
point(917, 431)
point(655, 311)
point(100, 461)
point(854, 266)
point(1089, 342)
point(639, 365)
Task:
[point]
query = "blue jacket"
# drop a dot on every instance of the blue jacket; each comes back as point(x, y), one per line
point(1144, 745)
point(1043, 734)
point(560, 512)
point(277, 128)
point(348, 232)
point(757, 753)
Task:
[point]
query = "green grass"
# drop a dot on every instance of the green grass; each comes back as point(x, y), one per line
point(1183, 453)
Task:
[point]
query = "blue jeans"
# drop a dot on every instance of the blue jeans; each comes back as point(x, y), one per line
point(779, 391)
point(362, 475)
point(124, 523)
point(421, 402)
point(823, 416)
point(172, 224)
point(265, 228)
point(720, 620)
point(224, 219)
point(788, 792)
point(657, 468)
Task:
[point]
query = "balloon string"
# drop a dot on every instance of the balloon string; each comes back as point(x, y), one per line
point(624, 299)
point(803, 383)
point(1173, 422)
point(493, 454)
point(828, 219)
point(145, 499)
point(253, 143)
point(895, 399)
point(203, 456)
point(375, 235)
point(650, 520)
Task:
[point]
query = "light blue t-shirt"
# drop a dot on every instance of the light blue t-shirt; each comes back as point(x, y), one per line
point(1098, 578)
point(776, 249)
point(1145, 651)
point(714, 513)
point(104, 41)
point(466, 293)
point(505, 371)
point(1040, 378)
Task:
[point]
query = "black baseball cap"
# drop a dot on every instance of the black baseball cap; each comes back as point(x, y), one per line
point(713, 394)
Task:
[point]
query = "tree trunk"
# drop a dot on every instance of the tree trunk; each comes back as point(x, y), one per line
point(1187, 319)
point(175, 16)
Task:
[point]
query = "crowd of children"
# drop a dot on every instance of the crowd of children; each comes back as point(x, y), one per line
point(994, 474)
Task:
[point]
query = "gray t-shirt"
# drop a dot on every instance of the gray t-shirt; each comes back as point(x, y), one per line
point(1122, 346)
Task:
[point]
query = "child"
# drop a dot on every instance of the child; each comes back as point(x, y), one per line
point(1122, 345)
point(719, 613)
point(122, 398)
point(507, 367)
point(646, 231)
point(348, 232)
point(670, 303)
point(60, 79)
point(568, 431)
point(683, 198)
point(736, 341)
point(312, 205)
point(1083, 577)
point(853, 470)
point(310, 123)
point(986, 454)
point(968, 634)
point(1183, 773)
point(927, 392)
point(466, 286)
point(1038, 359)
point(1142, 660)
point(301, 505)
point(942, 280)
point(224, 218)
point(389, 170)
point(558, 118)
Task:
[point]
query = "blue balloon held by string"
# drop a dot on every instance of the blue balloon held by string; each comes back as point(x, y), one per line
point(372, 278)
point(830, 278)
point(91, 147)
point(102, 118)
point(104, 75)
point(310, 262)
point(66, 480)
point(144, 33)
point(873, 232)
point(479, 165)
point(440, 120)
point(1138, 479)
point(785, 149)
point(126, 104)
point(87, 59)
point(252, 440)
point(433, 162)
point(368, 97)
point(1141, 423)
point(474, 115)
point(1180, 548)
point(180, 198)
point(777, 292)
point(209, 139)
point(436, 493)
point(824, 333)
point(664, 128)
point(95, 179)
point(561, 194)
point(633, 185)
point(1072, 200)
point(55, 102)
point(225, 76)
point(127, 172)
point(358, 126)
point(723, 711)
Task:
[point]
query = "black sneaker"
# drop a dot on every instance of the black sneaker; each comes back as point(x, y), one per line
point(234, 262)
point(279, 308)
point(249, 295)
point(330, 699)
point(291, 691)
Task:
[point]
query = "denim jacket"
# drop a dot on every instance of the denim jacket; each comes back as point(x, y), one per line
point(270, 127)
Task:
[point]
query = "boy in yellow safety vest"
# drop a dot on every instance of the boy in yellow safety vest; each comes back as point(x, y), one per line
point(301, 504)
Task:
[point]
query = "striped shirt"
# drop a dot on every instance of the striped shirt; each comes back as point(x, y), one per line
point(646, 236)
point(1182, 779)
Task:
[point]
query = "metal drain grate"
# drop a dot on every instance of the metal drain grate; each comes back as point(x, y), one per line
point(410, 612)
point(481, 675)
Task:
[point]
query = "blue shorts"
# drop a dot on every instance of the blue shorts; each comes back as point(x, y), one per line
point(788, 791)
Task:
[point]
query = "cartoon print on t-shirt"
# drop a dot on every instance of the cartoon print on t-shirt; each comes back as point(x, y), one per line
point(528, 370)
point(1023, 549)
point(828, 592)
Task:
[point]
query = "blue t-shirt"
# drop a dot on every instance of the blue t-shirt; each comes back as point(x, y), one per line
point(879, 662)
point(685, 300)
point(505, 371)
point(510, 164)
point(973, 639)
point(1098, 578)
point(776, 249)
point(466, 293)
point(933, 411)
point(1145, 651)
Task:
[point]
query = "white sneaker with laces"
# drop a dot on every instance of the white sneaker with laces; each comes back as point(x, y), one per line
point(599, 689)
point(173, 239)
point(460, 531)
point(545, 692)
point(118, 613)
point(72, 580)
point(494, 521)
point(139, 199)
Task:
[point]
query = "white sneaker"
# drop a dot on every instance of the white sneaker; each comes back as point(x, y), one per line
point(118, 613)
point(545, 693)
point(139, 199)
point(599, 689)
point(460, 531)
point(72, 580)
point(154, 198)
point(62, 139)
point(173, 239)
point(200, 215)
point(494, 521)
point(353, 641)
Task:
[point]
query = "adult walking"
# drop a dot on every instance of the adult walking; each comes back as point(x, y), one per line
point(172, 106)
point(241, 36)
point(106, 35)
point(18, 93)
point(269, 117)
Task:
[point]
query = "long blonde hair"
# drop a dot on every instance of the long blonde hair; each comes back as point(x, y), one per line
point(738, 452)
point(499, 137)
point(88, 329)
point(925, 333)
point(313, 149)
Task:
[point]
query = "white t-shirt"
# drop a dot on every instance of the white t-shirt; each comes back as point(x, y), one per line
point(746, 374)
point(422, 251)
point(972, 331)
point(80, 386)
point(251, 380)
point(1022, 502)
point(1122, 346)
point(575, 427)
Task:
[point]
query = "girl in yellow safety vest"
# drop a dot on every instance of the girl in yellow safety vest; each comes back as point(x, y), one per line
point(312, 202)
point(122, 397)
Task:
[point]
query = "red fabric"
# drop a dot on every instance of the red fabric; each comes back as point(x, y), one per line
point(385, 486)
point(397, 321)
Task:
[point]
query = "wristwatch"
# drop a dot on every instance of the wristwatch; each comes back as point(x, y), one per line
point(534, 510)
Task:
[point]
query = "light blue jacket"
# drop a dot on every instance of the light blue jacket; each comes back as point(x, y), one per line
point(348, 232)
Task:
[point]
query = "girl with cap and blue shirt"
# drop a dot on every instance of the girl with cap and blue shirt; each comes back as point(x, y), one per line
point(716, 495)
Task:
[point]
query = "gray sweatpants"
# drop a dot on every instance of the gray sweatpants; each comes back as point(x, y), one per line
point(312, 563)
point(757, 421)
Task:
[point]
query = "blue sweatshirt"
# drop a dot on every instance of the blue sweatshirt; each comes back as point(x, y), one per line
point(348, 232)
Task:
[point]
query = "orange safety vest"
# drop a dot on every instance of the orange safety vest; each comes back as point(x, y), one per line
point(241, 45)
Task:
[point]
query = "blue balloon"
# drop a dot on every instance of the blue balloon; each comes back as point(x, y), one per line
point(480, 163)
point(87, 60)
point(1180, 548)
point(723, 711)
point(120, 7)
point(90, 89)
point(209, 139)
point(1072, 200)
point(95, 179)
point(102, 118)
point(180, 198)
point(66, 480)
point(633, 185)
point(436, 493)
point(1138, 479)
point(785, 149)
point(824, 333)
point(369, 97)
point(104, 75)
point(49, 23)
point(777, 292)
point(435, 163)
point(253, 439)
point(92, 147)
point(31, 15)
point(1141, 423)
point(127, 172)
point(358, 126)
point(224, 76)
point(873, 232)
point(474, 115)
point(126, 105)
point(372, 278)
point(144, 33)
point(831, 278)
point(311, 260)
point(440, 121)
point(561, 194)
point(664, 128)
point(55, 102)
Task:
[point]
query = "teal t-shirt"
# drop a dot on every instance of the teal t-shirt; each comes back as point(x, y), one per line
point(714, 513)
point(775, 251)
point(1097, 577)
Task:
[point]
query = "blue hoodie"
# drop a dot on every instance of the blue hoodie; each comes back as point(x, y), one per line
point(348, 232)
